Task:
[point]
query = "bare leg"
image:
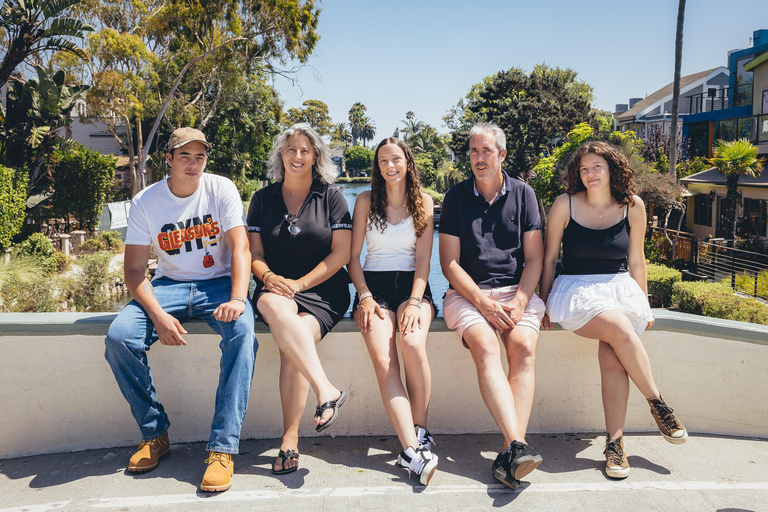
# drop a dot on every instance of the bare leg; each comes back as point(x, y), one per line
point(496, 391)
point(296, 338)
point(418, 377)
point(293, 396)
point(383, 351)
point(521, 356)
point(615, 388)
point(616, 330)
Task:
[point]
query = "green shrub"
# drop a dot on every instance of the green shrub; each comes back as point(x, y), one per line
point(660, 281)
point(751, 284)
point(60, 261)
point(13, 197)
point(653, 252)
point(437, 197)
point(86, 289)
point(112, 240)
point(25, 286)
point(40, 248)
point(92, 245)
point(718, 301)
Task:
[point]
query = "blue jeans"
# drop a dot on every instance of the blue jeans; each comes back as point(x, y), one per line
point(132, 334)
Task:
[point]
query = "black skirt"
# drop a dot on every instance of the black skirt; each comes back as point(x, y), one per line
point(391, 288)
point(327, 302)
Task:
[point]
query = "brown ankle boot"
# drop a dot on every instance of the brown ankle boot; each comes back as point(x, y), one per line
point(149, 453)
point(218, 476)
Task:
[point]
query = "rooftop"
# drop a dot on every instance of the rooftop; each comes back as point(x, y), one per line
point(715, 177)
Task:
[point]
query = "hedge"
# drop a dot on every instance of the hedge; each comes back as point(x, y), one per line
point(660, 281)
point(717, 300)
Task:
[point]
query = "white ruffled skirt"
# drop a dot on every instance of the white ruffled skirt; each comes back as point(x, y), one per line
point(577, 299)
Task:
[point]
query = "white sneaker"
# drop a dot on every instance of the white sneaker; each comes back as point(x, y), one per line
point(420, 461)
point(426, 441)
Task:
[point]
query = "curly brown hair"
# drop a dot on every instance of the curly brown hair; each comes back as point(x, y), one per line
point(621, 175)
point(378, 213)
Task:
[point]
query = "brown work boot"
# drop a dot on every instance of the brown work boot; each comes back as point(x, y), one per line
point(149, 453)
point(616, 463)
point(669, 426)
point(218, 476)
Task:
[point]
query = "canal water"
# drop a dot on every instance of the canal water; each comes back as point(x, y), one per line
point(351, 190)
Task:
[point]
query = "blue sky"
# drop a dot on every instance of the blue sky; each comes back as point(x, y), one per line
point(423, 56)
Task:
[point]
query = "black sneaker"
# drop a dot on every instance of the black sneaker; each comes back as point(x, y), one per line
point(501, 471)
point(420, 461)
point(524, 459)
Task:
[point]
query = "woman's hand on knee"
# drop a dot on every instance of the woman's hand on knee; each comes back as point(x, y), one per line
point(365, 312)
point(410, 319)
point(546, 323)
point(279, 285)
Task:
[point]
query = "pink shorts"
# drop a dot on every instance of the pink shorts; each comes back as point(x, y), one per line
point(459, 313)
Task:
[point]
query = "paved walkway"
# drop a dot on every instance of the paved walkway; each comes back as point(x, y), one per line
point(707, 473)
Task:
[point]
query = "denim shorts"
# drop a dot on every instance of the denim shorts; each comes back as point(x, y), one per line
point(393, 287)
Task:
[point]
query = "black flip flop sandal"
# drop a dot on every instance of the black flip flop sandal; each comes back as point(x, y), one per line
point(283, 456)
point(331, 404)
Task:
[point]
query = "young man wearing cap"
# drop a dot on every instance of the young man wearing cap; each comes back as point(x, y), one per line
point(196, 223)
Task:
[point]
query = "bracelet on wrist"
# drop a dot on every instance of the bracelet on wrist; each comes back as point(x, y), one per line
point(266, 275)
point(364, 295)
point(239, 299)
point(418, 305)
point(267, 279)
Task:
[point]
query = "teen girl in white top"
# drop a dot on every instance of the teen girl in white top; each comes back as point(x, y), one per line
point(395, 218)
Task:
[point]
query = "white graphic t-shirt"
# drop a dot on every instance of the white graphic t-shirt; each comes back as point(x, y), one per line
point(187, 232)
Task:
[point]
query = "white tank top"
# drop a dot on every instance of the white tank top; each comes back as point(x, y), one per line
point(394, 249)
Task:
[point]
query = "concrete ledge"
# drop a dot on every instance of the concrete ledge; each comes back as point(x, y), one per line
point(57, 393)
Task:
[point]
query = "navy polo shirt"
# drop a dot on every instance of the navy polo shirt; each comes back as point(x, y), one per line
point(491, 234)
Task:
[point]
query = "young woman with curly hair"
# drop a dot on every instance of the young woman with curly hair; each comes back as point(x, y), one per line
point(394, 218)
point(601, 292)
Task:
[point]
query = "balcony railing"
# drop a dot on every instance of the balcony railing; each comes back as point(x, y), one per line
point(720, 99)
point(753, 128)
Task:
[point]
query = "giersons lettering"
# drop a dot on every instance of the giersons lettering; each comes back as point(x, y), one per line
point(170, 240)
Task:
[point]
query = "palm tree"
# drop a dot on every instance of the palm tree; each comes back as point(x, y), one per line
point(676, 88)
point(35, 26)
point(367, 129)
point(356, 116)
point(339, 133)
point(735, 159)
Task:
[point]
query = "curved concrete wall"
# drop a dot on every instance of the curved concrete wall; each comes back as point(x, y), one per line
point(57, 392)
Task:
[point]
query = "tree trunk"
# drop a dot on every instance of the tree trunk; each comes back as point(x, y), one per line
point(731, 199)
point(676, 89)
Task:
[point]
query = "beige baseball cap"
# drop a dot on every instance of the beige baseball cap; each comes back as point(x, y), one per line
point(184, 136)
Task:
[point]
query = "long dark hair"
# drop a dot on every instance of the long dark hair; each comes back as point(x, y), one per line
point(414, 202)
point(621, 175)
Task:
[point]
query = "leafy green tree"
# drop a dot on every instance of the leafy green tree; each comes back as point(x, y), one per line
point(82, 179)
point(33, 27)
point(13, 195)
point(548, 172)
point(189, 50)
point(426, 168)
point(315, 114)
point(358, 158)
point(36, 110)
point(534, 110)
point(341, 134)
point(735, 159)
point(367, 130)
point(601, 120)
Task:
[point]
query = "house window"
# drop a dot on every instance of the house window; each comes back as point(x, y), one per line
point(702, 210)
point(755, 217)
point(726, 129)
point(698, 135)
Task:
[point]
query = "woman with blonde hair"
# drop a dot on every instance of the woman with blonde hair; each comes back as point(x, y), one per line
point(299, 233)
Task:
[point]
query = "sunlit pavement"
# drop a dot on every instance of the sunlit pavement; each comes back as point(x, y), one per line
point(708, 473)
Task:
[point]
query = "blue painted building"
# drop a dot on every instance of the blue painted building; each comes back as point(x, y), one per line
point(737, 111)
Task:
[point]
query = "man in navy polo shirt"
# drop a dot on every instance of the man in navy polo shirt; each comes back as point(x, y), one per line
point(491, 252)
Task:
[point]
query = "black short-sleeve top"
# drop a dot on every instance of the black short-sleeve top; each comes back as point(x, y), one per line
point(491, 234)
point(324, 211)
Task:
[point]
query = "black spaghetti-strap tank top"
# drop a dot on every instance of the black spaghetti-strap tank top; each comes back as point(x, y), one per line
point(595, 251)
